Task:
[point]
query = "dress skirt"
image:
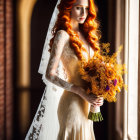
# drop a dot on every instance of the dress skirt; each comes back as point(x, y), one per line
point(73, 118)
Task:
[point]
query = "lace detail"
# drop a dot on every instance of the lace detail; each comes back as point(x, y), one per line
point(60, 41)
point(68, 53)
point(36, 127)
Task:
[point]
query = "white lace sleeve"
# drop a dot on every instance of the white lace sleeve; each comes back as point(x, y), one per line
point(60, 41)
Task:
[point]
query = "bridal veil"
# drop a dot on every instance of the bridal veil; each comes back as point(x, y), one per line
point(45, 125)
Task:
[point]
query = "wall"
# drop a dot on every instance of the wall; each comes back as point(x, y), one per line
point(6, 83)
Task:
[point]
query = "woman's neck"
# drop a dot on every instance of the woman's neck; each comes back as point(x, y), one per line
point(75, 25)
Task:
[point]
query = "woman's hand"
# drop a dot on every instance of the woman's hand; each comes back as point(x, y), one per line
point(91, 98)
point(94, 100)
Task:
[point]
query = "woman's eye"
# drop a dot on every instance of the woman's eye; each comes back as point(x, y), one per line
point(77, 8)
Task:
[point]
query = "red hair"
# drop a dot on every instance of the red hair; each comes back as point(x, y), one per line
point(89, 28)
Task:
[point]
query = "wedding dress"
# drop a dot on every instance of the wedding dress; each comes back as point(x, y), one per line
point(72, 111)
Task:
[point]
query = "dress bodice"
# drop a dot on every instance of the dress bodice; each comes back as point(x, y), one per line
point(71, 63)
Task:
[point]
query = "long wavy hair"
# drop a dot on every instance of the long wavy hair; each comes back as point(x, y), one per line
point(89, 28)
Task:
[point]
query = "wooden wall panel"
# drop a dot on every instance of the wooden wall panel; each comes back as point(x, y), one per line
point(6, 69)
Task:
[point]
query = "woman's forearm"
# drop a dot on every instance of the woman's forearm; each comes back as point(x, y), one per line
point(66, 85)
point(60, 82)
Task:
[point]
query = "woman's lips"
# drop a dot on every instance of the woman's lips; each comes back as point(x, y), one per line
point(82, 18)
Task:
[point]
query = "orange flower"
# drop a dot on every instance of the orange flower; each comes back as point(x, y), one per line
point(104, 76)
point(110, 73)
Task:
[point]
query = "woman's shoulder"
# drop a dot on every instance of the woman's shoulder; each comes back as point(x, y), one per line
point(62, 33)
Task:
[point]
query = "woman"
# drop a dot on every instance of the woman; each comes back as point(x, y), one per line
point(74, 39)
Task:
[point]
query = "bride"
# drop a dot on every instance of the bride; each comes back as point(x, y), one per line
point(63, 111)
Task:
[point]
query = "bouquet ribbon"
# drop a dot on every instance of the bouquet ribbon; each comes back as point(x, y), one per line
point(95, 114)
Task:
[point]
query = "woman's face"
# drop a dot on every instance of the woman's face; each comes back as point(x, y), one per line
point(79, 11)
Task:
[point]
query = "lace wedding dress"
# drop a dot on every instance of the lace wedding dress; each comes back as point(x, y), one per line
point(72, 111)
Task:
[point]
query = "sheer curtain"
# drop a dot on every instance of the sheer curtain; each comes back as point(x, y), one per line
point(127, 33)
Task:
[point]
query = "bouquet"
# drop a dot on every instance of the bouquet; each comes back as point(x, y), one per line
point(103, 76)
